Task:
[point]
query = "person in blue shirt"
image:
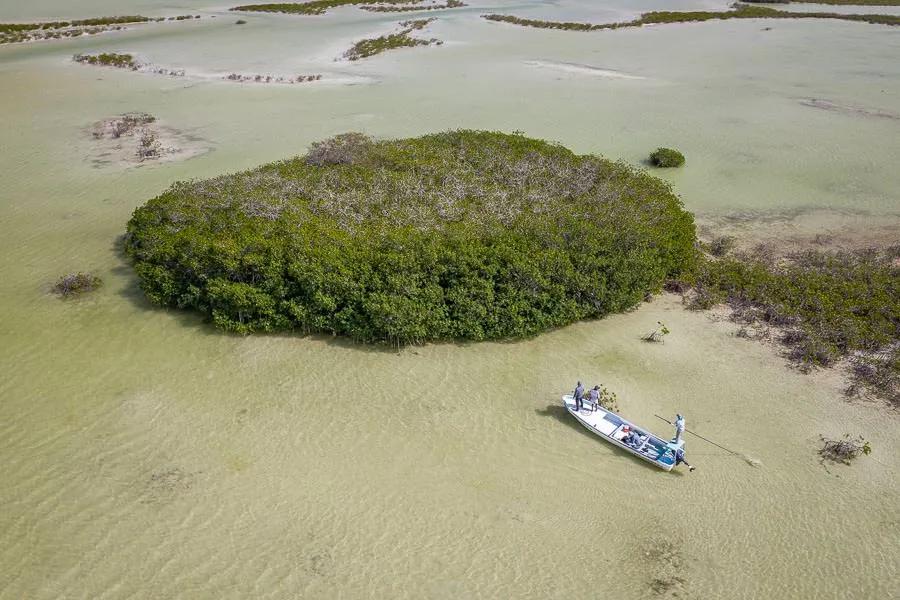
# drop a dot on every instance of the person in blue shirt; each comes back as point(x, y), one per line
point(579, 395)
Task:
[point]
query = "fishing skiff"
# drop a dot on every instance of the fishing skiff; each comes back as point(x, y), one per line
point(614, 429)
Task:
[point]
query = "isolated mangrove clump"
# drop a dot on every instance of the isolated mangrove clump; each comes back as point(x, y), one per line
point(666, 157)
point(123, 125)
point(271, 78)
point(458, 235)
point(108, 59)
point(372, 46)
point(149, 146)
point(75, 284)
point(845, 449)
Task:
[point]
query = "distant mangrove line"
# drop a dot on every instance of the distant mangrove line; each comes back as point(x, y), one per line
point(413, 7)
point(316, 7)
point(833, 2)
point(11, 33)
point(370, 47)
point(661, 17)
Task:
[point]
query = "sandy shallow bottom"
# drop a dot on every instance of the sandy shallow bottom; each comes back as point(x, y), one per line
point(146, 455)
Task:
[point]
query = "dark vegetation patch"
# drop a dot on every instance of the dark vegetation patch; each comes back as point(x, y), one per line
point(666, 157)
point(167, 485)
point(402, 39)
point(845, 449)
point(459, 235)
point(108, 59)
point(741, 11)
point(75, 284)
point(721, 245)
point(825, 306)
point(122, 125)
point(666, 568)
point(271, 78)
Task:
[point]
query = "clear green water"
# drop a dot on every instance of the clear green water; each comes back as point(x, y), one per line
point(146, 455)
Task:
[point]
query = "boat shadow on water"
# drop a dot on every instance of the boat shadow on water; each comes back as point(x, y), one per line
point(562, 415)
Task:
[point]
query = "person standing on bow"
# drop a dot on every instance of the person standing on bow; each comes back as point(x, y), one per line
point(679, 428)
point(579, 395)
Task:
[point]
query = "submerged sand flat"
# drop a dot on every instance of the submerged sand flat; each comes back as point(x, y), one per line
point(147, 455)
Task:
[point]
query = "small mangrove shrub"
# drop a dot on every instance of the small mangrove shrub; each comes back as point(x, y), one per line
point(658, 334)
point(75, 284)
point(108, 59)
point(666, 157)
point(845, 449)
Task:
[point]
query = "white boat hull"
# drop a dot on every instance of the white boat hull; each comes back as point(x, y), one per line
point(609, 425)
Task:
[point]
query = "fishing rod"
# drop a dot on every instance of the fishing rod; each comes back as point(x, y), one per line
point(703, 438)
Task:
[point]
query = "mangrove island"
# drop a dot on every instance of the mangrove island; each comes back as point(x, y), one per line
point(462, 235)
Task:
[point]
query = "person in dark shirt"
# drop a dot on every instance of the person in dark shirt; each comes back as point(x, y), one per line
point(579, 396)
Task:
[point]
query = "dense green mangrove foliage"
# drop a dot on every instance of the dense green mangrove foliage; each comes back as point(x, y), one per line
point(372, 46)
point(741, 11)
point(458, 235)
point(666, 157)
point(827, 305)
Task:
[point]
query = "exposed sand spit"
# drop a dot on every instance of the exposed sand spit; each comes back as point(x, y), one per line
point(581, 69)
